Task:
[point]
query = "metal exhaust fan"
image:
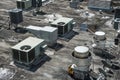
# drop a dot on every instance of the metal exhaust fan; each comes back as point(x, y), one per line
point(25, 47)
point(61, 23)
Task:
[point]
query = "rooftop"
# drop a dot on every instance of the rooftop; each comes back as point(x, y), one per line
point(56, 67)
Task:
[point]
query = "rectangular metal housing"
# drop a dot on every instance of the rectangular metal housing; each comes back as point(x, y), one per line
point(49, 34)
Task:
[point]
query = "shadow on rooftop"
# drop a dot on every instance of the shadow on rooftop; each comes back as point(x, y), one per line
point(67, 37)
point(36, 64)
point(57, 46)
point(20, 30)
point(41, 62)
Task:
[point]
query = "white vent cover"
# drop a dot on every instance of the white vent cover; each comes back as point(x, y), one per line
point(81, 51)
point(100, 35)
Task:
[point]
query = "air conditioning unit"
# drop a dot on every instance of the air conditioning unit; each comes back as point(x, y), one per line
point(49, 34)
point(63, 24)
point(28, 50)
point(24, 4)
point(116, 23)
point(16, 16)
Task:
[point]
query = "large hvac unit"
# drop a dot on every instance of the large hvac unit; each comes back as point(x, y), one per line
point(104, 5)
point(28, 50)
point(16, 16)
point(49, 34)
point(24, 4)
point(64, 25)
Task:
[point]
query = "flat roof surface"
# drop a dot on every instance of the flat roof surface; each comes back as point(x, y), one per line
point(62, 19)
point(58, 58)
point(46, 28)
point(30, 41)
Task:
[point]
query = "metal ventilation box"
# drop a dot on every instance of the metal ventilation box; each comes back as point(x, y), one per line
point(24, 4)
point(16, 16)
point(28, 50)
point(104, 5)
point(49, 34)
point(64, 25)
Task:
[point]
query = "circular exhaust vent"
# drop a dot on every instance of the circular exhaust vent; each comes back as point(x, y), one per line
point(61, 23)
point(25, 47)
